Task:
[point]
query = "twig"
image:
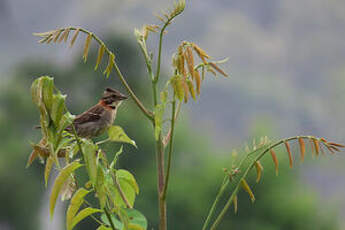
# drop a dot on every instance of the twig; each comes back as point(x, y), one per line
point(166, 182)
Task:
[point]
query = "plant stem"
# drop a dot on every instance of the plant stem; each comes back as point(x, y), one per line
point(213, 207)
point(160, 52)
point(147, 113)
point(171, 142)
point(228, 203)
point(160, 183)
point(109, 218)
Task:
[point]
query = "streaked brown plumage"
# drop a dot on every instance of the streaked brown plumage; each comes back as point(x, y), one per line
point(99, 117)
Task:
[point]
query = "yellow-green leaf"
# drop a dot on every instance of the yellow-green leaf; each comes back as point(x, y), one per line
point(89, 151)
point(122, 174)
point(74, 36)
point(100, 186)
point(178, 87)
point(111, 62)
point(59, 182)
point(47, 91)
point(76, 201)
point(159, 112)
point(48, 168)
point(117, 134)
point(102, 227)
point(83, 214)
point(246, 187)
point(87, 46)
point(259, 169)
point(100, 55)
point(58, 108)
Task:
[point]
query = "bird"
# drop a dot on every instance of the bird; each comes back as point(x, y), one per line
point(97, 119)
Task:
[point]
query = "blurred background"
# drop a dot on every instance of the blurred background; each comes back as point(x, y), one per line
point(287, 77)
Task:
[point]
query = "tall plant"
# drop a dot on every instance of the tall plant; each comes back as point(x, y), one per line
point(116, 189)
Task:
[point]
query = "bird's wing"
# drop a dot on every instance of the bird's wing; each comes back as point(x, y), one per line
point(91, 115)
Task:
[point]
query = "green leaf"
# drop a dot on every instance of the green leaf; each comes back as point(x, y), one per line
point(47, 91)
point(49, 165)
point(102, 227)
point(136, 220)
point(59, 182)
point(36, 91)
point(117, 134)
point(66, 120)
point(159, 112)
point(176, 83)
point(58, 107)
point(83, 214)
point(42, 90)
point(122, 174)
point(127, 189)
point(118, 224)
point(89, 151)
point(76, 201)
point(100, 186)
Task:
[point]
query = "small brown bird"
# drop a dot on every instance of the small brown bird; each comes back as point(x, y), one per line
point(99, 117)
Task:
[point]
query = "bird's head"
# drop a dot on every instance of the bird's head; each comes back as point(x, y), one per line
point(112, 97)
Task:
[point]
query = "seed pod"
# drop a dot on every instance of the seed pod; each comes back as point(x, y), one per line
point(219, 70)
point(259, 169)
point(197, 81)
point(87, 46)
point(191, 88)
point(275, 160)
point(302, 147)
point(246, 187)
point(43, 40)
point(100, 56)
point(316, 146)
point(190, 60)
point(65, 35)
point(111, 62)
point(235, 200)
point(287, 146)
point(74, 36)
point(201, 53)
point(185, 89)
point(56, 35)
point(336, 144)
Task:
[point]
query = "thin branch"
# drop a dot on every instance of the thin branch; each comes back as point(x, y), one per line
point(148, 61)
point(173, 118)
point(146, 112)
point(229, 202)
point(109, 218)
point(213, 207)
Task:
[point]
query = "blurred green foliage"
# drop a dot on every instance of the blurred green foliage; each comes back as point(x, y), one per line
point(197, 164)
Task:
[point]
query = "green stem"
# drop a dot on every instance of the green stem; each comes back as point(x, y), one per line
point(147, 113)
point(213, 207)
point(171, 142)
point(160, 52)
point(109, 218)
point(228, 203)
